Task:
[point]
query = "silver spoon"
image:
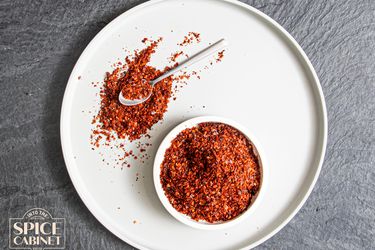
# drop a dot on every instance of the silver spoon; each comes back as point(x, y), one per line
point(188, 62)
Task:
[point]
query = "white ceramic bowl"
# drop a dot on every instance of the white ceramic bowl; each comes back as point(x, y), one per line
point(165, 144)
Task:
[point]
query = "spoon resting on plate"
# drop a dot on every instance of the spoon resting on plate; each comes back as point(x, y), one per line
point(188, 62)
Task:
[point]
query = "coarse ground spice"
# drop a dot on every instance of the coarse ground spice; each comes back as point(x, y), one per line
point(116, 121)
point(135, 81)
point(220, 56)
point(132, 121)
point(210, 172)
point(174, 56)
point(190, 38)
point(137, 89)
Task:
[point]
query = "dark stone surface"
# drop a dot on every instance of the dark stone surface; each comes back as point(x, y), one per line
point(40, 42)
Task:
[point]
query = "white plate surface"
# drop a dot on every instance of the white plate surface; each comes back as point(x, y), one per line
point(264, 82)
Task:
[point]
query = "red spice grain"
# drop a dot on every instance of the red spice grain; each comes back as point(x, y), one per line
point(133, 121)
point(137, 89)
point(190, 38)
point(220, 56)
point(210, 172)
point(135, 81)
point(116, 121)
point(174, 56)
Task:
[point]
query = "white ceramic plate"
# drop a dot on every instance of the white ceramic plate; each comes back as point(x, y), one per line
point(264, 82)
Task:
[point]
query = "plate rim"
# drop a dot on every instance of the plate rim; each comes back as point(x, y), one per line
point(64, 116)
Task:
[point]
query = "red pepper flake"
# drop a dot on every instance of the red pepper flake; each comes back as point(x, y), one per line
point(196, 36)
point(136, 90)
point(135, 82)
point(174, 56)
point(116, 121)
point(190, 38)
point(210, 172)
point(133, 121)
point(220, 56)
point(95, 84)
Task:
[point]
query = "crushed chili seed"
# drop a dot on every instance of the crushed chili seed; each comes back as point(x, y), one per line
point(210, 172)
point(220, 56)
point(135, 81)
point(174, 56)
point(138, 88)
point(190, 38)
point(116, 121)
point(133, 121)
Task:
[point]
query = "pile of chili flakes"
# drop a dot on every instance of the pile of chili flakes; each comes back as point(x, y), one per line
point(210, 172)
point(116, 121)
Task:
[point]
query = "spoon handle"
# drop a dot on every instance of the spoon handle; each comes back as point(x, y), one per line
point(193, 59)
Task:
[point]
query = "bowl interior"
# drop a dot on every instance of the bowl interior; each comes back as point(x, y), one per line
point(165, 144)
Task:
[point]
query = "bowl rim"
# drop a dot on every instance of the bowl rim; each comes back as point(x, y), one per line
point(165, 144)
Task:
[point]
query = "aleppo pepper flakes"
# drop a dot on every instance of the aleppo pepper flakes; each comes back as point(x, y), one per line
point(133, 121)
point(190, 38)
point(220, 56)
point(210, 172)
point(135, 81)
point(174, 56)
point(116, 121)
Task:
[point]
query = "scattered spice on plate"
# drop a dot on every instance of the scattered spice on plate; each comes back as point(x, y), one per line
point(210, 172)
point(115, 121)
point(132, 121)
point(136, 85)
point(220, 56)
point(174, 56)
point(190, 38)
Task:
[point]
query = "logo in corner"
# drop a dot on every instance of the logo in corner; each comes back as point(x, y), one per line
point(37, 229)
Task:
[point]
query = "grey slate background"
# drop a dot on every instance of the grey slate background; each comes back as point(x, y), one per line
point(40, 42)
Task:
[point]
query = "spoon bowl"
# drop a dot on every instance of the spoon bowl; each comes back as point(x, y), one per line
point(129, 102)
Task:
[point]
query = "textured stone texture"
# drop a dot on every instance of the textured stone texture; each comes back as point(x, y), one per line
point(40, 42)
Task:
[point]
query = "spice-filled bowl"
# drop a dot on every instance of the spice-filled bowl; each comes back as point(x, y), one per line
point(209, 173)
